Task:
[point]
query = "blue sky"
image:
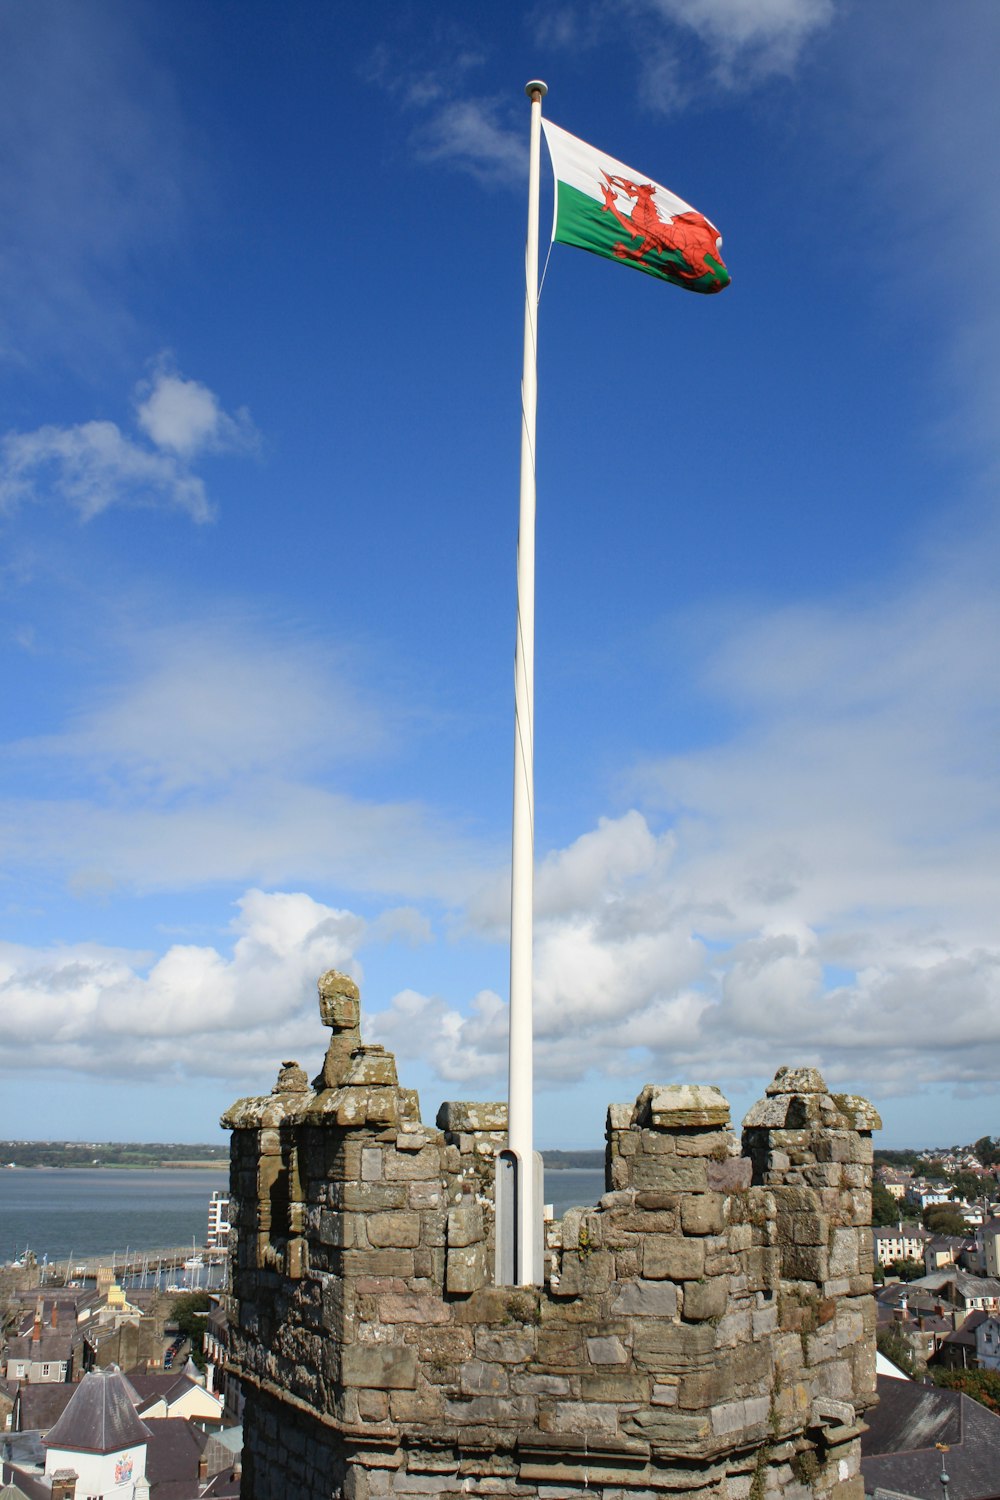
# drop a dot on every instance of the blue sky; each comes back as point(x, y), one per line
point(260, 326)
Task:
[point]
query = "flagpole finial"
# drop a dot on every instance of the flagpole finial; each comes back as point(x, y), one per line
point(536, 86)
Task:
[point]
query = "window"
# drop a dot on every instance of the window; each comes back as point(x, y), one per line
point(45, 1371)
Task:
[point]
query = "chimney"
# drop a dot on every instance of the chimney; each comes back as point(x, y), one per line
point(55, 1315)
point(36, 1332)
point(64, 1484)
point(202, 1469)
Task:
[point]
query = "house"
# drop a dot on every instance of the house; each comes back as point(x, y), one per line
point(962, 1290)
point(988, 1247)
point(901, 1452)
point(895, 1180)
point(895, 1242)
point(44, 1354)
point(987, 1334)
point(170, 1395)
point(942, 1250)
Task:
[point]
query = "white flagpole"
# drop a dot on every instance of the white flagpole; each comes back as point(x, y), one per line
point(520, 1076)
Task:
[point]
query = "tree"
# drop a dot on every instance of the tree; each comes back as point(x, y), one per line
point(885, 1209)
point(940, 1218)
point(982, 1385)
point(966, 1185)
point(988, 1150)
point(894, 1344)
point(905, 1270)
point(188, 1312)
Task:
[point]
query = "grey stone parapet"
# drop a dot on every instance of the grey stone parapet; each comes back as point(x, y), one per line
point(706, 1328)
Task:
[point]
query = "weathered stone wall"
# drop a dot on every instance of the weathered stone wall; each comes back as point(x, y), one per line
point(707, 1328)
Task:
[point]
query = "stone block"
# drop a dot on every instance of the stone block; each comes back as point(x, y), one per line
point(456, 1116)
point(425, 1195)
point(513, 1346)
point(540, 1385)
point(703, 1213)
point(665, 1258)
point(607, 1350)
point(377, 1263)
point(477, 1378)
point(399, 1230)
point(675, 1431)
point(672, 1348)
point(384, 1366)
point(465, 1225)
point(494, 1411)
point(410, 1166)
point(744, 1417)
point(614, 1385)
point(373, 1406)
point(681, 1105)
point(665, 1395)
point(644, 1299)
point(466, 1269)
point(584, 1274)
point(595, 1419)
point(804, 1262)
point(669, 1174)
point(412, 1307)
point(371, 1164)
point(844, 1245)
point(705, 1299)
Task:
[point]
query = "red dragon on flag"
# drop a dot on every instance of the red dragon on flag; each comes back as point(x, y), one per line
point(689, 234)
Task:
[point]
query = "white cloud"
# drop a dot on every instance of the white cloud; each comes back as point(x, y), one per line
point(94, 465)
point(747, 40)
point(472, 135)
point(195, 1010)
point(184, 417)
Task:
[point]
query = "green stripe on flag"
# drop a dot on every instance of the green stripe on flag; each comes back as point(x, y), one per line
point(584, 222)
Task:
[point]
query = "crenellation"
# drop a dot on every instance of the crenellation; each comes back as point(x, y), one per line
point(705, 1329)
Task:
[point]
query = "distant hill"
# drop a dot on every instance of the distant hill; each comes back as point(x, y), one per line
point(556, 1160)
point(111, 1154)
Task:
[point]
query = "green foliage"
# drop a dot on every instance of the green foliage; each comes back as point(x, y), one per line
point(887, 1158)
point(987, 1148)
point(894, 1344)
point(982, 1385)
point(904, 1270)
point(112, 1154)
point(967, 1185)
point(935, 1168)
point(185, 1313)
point(885, 1209)
point(939, 1218)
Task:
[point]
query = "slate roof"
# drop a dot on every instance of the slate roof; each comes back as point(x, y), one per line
point(898, 1452)
point(168, 1387)
point(100, 1418)
point(173, 1451)
point(39, 1406)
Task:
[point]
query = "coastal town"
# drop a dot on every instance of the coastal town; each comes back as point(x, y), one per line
point(130, 1352)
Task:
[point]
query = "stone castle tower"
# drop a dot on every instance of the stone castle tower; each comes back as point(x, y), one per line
point(707, 1329)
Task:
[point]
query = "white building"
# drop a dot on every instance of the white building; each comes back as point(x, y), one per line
point(218, 1221)
point(100, 1437)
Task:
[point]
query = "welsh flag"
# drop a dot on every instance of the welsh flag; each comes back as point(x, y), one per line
point(608, 208)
